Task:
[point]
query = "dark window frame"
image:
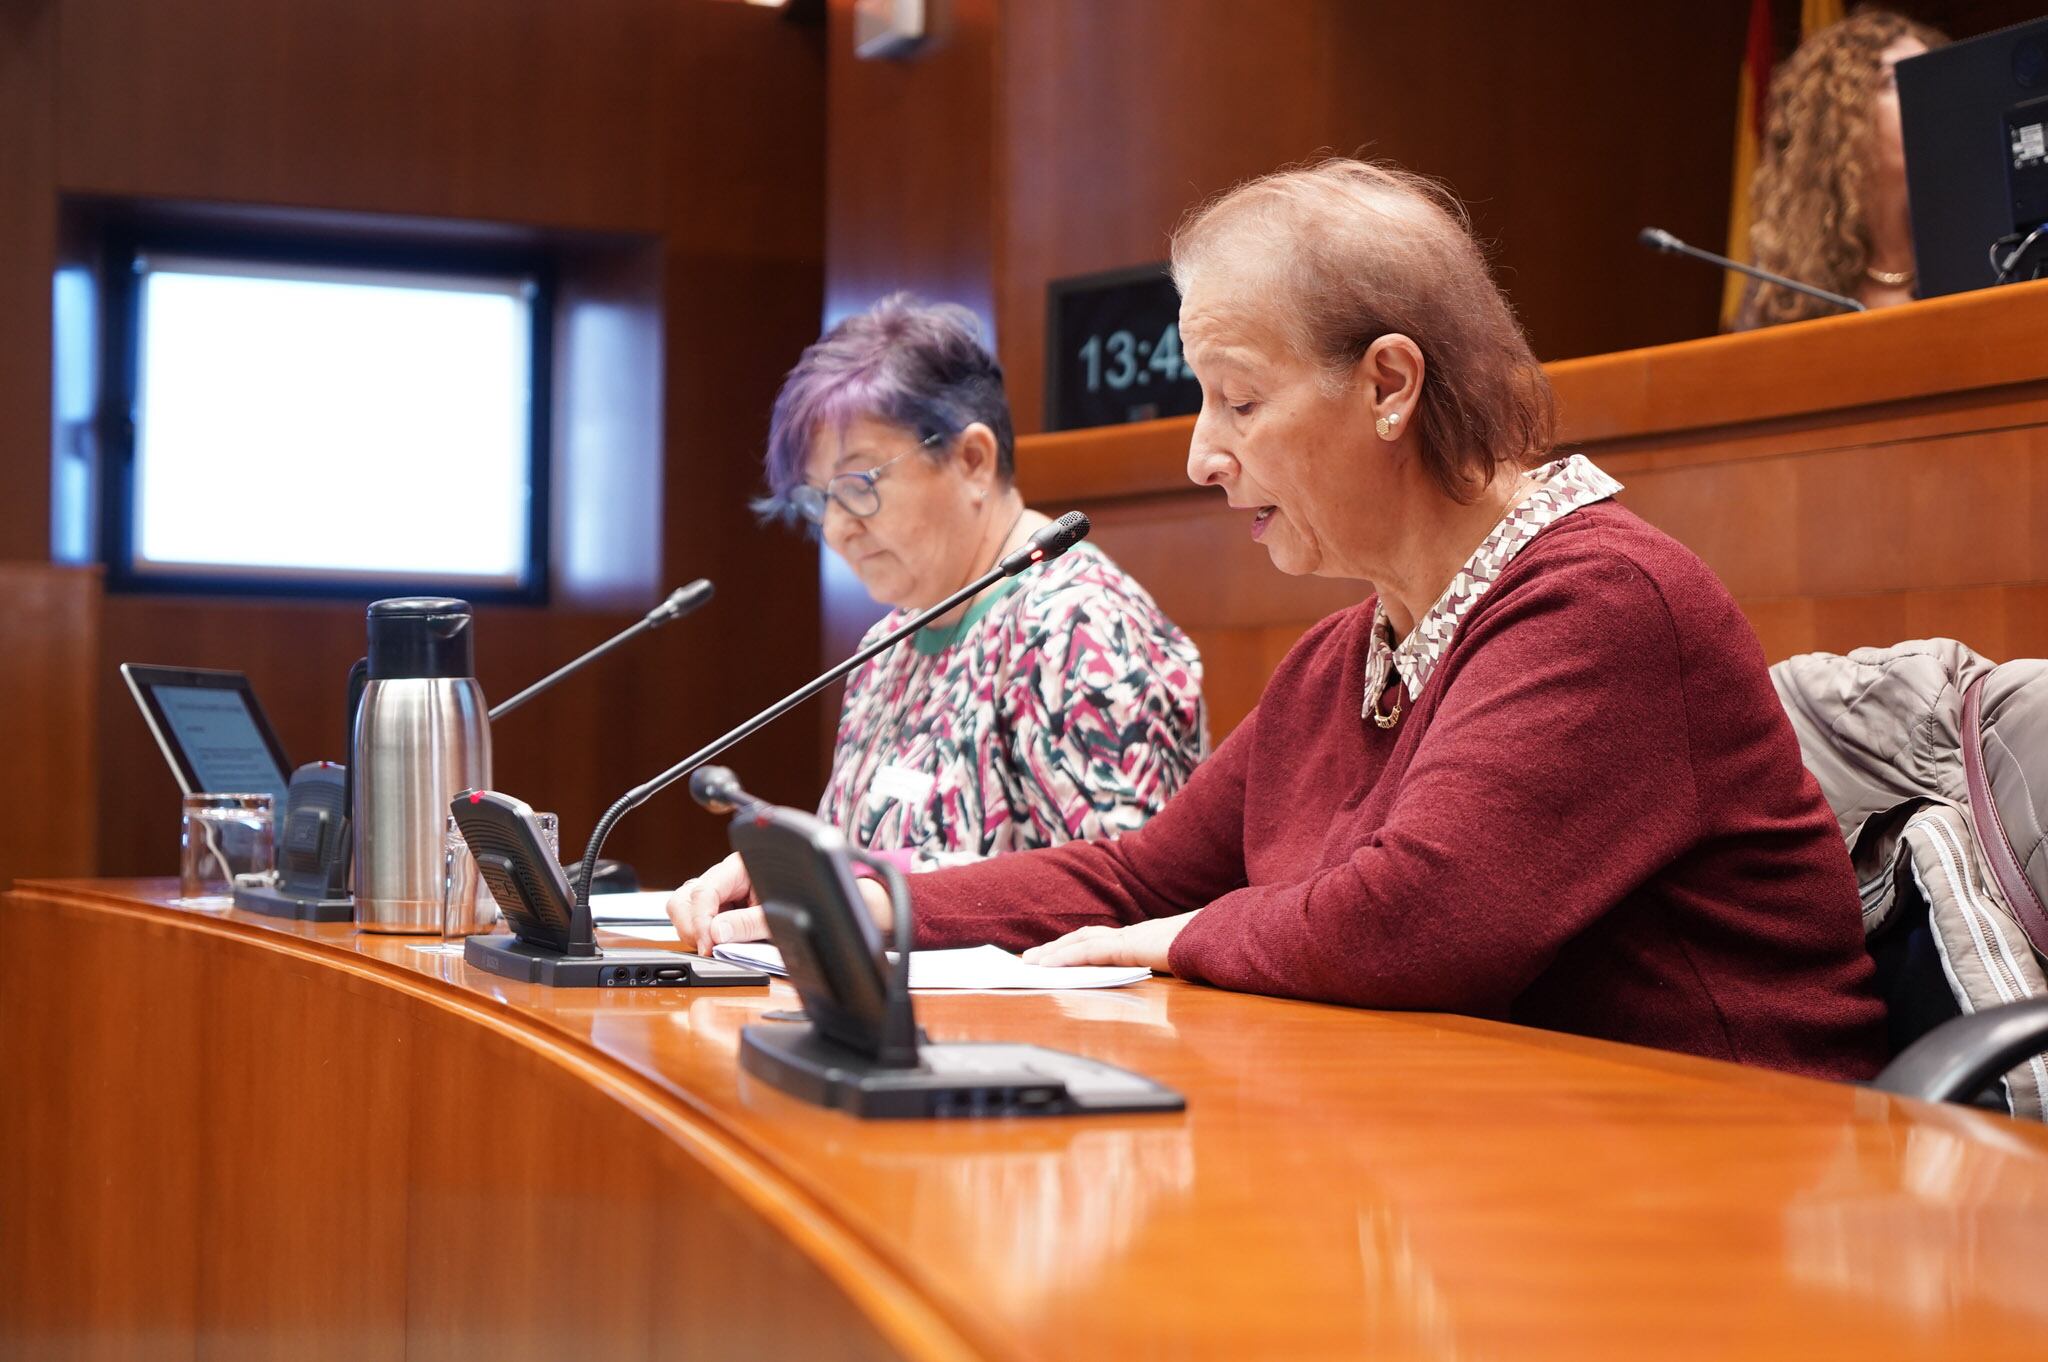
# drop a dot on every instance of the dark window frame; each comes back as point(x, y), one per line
point(120, 361)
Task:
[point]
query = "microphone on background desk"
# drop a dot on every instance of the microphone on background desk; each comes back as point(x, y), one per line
point(1657, 239)
point(680, 602)
point(553, 937)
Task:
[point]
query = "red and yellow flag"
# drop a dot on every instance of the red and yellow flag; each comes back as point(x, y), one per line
point(1815, 15)
point(1750, 92)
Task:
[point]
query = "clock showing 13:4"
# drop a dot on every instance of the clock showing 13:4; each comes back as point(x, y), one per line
point(1113, 351)
point(1132, 360)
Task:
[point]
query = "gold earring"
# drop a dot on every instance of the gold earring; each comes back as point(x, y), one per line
point(1385, 425)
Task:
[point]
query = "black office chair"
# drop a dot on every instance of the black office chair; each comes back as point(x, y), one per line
point(1960, 1059)
point(1939, 1054)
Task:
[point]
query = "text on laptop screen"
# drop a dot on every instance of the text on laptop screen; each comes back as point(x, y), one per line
point(221, 741)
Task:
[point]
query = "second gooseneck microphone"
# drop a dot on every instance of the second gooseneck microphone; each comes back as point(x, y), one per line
point(1048, 543)
point(1657, 239)
point(680, 602)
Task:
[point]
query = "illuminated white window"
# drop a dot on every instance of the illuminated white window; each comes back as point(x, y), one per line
point(339, 425)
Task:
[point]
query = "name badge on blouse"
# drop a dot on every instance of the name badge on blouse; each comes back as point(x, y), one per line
point(903, 785)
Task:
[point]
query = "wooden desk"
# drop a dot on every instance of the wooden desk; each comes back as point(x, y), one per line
point(1854, 480)
point(225, 1138)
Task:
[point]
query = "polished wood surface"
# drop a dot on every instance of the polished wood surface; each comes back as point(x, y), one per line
point(1854, 481)
point(685, 139)
point(49, 722)
point(263, 1140)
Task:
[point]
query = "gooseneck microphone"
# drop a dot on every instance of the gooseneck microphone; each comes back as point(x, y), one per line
point(718, 789)
point(1047, 544)
point(680, 602)
point(1657, 239)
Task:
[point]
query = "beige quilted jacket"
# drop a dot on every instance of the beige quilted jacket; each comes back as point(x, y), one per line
point(1930, 819)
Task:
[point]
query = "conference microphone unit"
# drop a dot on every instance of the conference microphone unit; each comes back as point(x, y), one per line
point(1661, 241)
point(857, 1047)
point(553, 939)
point(680, 602)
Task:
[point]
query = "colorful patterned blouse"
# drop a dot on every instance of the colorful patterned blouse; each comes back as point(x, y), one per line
point(1064, 705)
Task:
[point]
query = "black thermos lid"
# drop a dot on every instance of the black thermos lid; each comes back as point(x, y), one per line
point(420, 636)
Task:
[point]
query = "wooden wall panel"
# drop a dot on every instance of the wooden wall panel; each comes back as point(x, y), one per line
point(457, 108)
point(49, 721)
point(911, 196)
point(1564, 136)
point(28, 245)
point(696, 128)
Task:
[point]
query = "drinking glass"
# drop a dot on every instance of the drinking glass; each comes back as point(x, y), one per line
point(222, 836)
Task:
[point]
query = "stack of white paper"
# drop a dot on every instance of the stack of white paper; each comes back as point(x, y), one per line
point(977, 967)
point(649, 905)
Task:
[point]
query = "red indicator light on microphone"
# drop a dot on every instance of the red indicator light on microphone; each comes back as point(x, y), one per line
point(1038, 555)
point(476, 797)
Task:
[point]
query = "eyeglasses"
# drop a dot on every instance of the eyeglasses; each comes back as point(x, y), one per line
point(855, 492)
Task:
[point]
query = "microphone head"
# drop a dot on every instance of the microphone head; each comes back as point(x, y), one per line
point(717, 789)
point(1657, 239)
point(681, 602)
point(1048, 543)
point(1069, 530)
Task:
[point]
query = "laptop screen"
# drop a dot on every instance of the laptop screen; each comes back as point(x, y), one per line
point(211, 731)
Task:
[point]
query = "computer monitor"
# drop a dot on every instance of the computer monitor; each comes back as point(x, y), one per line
point(211, 730)
point(1975, 119)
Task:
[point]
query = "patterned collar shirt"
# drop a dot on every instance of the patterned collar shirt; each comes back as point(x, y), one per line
point(1556, 489)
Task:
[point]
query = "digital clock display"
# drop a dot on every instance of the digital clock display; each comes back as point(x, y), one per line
point(1113, 350)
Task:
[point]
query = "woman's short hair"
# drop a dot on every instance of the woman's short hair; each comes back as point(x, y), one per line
point(1343, 252)
point(1806, 199)
point(914, 364)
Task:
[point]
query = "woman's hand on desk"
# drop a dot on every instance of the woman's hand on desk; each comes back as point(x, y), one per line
point(1142, 943)
point(699, 907)
point(719, 907)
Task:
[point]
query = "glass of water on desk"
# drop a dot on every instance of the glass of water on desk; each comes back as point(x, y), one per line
point(222, 836)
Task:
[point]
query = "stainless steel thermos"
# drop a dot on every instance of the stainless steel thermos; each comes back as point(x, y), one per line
point(422, 735)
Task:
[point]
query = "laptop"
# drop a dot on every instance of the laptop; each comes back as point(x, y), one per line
point(211, 730)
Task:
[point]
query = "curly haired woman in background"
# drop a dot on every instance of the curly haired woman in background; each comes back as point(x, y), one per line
point(1829, 196)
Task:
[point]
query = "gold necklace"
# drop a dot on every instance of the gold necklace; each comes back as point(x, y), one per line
point(1889, 278)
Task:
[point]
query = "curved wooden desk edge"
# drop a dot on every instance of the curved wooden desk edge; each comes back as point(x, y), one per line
point(656, 1098)
point(867, 1275)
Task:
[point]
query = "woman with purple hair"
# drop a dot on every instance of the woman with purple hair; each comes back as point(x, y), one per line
point(1057, 705)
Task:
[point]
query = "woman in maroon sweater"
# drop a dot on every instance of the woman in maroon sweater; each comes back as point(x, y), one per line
point(1539, 774)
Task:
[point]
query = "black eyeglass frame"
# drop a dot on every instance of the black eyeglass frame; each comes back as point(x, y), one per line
point(810, 503)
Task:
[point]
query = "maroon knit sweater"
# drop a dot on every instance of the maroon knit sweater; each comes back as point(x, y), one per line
point(1594, 819)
